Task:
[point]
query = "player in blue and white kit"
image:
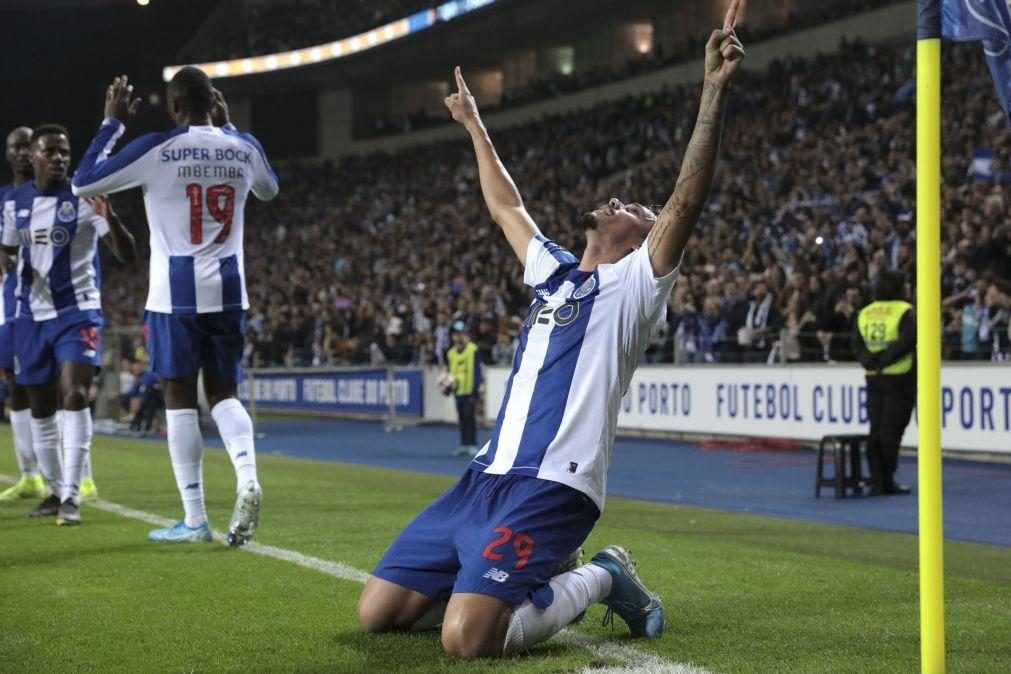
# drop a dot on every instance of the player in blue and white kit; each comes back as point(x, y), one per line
point(31, 484)
point(57, 340)
point(195, 179)
point(482, 559)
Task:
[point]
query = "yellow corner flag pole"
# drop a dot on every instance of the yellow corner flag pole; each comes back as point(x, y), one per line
point(928, 327)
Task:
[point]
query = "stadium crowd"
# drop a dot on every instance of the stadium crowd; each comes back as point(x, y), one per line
point(371, 259)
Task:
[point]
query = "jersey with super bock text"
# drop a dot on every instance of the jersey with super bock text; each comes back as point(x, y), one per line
point(195, 180)
point(58, 233)
point(579, 346)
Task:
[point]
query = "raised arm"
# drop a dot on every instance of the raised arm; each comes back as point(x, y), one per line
point(677, 220)
point(98, 173)
point(500, 194)
point(118, 238)
point(265, 184)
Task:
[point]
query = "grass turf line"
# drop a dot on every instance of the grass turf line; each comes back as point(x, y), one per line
point(744, 593)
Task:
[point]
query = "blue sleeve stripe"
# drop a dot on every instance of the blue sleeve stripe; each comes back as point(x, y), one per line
point(92, 169)
point(561, 255)
point(249, 138)
point(108, 133)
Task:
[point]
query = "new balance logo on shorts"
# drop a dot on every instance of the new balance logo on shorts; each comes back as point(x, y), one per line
point(496, 575)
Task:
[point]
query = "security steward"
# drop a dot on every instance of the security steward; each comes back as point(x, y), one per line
point(884, 341)
point(465, 365)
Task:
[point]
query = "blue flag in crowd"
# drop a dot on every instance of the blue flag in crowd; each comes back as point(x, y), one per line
point(990, 22)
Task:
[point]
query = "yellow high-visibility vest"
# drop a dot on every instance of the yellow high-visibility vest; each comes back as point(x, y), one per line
point(879, 326)
point(462, 365)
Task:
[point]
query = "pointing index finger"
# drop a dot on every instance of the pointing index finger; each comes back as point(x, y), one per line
point(460, 84)
point(730, 20)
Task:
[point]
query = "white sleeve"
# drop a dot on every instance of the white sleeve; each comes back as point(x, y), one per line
point(645, 294)
point(89, 216)
point(544, 257)
point(99, 173)
point(265, 184)
point(10, 230)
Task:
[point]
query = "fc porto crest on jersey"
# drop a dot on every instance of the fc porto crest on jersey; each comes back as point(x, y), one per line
point(589, 285)
point(67, 212)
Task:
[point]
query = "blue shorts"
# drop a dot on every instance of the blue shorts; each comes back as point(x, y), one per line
point(7, 345)
point(499, 535)
point(180, 345)
point(40, 347)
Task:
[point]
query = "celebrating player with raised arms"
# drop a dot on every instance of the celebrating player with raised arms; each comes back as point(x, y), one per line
point(482, 559)
point(195, 179)
point(59, 315)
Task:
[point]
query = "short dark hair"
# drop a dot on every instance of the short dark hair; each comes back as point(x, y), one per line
point(193, 89)
point(891, 286)
point(49, 130)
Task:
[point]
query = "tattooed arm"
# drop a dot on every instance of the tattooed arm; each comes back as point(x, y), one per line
point(674, 225)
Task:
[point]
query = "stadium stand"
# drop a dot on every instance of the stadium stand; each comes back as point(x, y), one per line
point(657, 58)
point(271, 26)
point(371, 258)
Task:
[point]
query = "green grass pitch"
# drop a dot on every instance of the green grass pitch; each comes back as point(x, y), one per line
point(743, 593)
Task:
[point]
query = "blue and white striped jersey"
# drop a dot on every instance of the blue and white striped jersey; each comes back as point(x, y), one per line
point(195, 180)
point(8, 297)
point(58, 262)
point(580, 344)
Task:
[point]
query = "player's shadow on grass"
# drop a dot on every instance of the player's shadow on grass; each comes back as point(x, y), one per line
point(389, 652)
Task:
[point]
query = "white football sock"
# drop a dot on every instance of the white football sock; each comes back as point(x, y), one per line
point(21, 429)
point(86, 467)
point(77, 431)
point(186, 449)
point(433, 617)
point(236, 429)
point(574, 592)
point(46, 443)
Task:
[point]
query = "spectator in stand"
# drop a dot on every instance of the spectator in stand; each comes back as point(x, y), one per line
point(798, 341)
point(504, 350)
point(761, 323)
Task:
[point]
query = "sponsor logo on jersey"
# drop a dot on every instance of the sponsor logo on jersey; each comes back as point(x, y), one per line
point(59, 236)
point(67, 212)
point(496, 575)
point(588, 287)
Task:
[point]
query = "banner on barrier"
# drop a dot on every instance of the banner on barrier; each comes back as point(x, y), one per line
point(801, 403)
point(360, 392)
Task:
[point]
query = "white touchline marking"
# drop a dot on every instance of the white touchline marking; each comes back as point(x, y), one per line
point(637, 661)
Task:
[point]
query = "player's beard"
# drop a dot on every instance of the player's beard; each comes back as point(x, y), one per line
point(588, 220)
